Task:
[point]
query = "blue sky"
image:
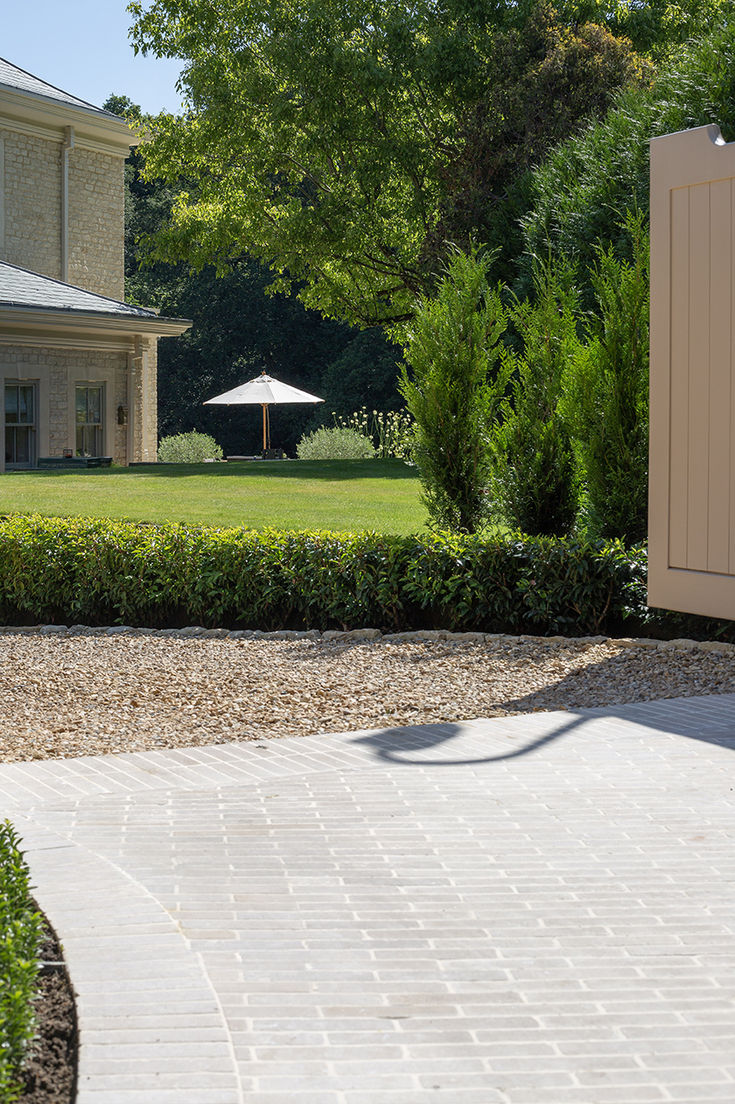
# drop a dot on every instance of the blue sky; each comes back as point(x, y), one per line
point(82, 46)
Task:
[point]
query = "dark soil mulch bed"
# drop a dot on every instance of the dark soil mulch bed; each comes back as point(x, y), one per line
point(50, 1073)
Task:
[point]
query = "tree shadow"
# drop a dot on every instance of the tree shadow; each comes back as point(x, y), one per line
point(318, 470)
point(395, 745)
point(706, 717)
point(391, 744)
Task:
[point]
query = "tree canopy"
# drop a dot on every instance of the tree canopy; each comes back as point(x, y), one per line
point(238, 330)
point(580, 194)
point(346, 143)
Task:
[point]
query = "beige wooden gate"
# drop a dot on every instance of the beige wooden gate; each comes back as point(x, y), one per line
point(692, 455)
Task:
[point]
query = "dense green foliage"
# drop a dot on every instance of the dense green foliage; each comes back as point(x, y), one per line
point(188, 448)
point(543, 80)
point(582, 190)
point(394, 136)
point(20, 938)
point(102, 572)
point(606, 402)
point(335, 443)
point(453, 391)
point(343, 144)
point(656, 27)
point(534, 480)
point(238, 330)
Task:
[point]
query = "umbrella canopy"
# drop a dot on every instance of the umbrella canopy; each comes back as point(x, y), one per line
point(263, 391)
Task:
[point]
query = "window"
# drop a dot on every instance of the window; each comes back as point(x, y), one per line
point(88, 406)
point(20, 425)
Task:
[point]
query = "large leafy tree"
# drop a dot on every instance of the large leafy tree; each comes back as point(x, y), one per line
point(582, 190)
point(345, 142)
point(656, 27)
point(238, 330)
point(542, 81)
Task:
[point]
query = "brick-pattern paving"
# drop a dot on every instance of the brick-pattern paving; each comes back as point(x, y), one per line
point(530, 910)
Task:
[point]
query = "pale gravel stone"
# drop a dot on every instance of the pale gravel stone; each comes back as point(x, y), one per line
point(66, 693)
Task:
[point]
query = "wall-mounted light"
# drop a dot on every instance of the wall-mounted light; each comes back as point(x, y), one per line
point(122, 415)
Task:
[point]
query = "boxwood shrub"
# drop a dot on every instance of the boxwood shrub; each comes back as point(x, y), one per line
point(101, 572)
point(20, 938)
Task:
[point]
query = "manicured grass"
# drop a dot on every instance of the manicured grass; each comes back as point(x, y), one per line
point(323, 494)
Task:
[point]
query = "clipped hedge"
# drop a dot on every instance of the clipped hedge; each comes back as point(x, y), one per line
point(100, 572)
point(20, 939)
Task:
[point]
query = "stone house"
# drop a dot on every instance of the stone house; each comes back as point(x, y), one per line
point(77, 363)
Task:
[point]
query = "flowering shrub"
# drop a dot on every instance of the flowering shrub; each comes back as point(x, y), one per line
point(391, 431)
point(335, 443)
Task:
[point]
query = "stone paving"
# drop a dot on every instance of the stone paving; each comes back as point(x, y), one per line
point(530, 910)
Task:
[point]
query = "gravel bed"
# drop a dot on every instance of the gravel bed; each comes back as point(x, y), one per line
point(69, 692)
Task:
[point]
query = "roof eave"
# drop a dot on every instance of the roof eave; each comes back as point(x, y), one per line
point(44, 318)
point(42, 114)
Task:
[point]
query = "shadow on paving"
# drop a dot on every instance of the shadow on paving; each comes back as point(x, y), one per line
point(608, 682)
point(394, 744)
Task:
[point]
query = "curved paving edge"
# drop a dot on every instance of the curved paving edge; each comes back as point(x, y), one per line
point(549, 806)
point(151, 1029)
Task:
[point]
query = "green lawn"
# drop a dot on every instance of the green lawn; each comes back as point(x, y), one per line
point(322, 494)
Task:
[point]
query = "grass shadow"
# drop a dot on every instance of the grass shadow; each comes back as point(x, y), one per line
point(320, 470)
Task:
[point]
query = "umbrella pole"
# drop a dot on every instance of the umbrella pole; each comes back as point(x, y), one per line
point(264, 410)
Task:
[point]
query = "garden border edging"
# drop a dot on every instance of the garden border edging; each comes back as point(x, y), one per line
point(356, 636)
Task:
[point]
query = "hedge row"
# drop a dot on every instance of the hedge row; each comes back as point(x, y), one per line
point(20, 938)
point(100, 572)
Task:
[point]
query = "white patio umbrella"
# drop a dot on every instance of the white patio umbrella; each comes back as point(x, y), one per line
point(265, 391)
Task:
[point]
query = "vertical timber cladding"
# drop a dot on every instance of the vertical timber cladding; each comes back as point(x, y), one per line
point(692, 455)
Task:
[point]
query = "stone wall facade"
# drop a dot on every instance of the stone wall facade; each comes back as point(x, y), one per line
point(32, 196)
point(97, 222)
point(55, 373)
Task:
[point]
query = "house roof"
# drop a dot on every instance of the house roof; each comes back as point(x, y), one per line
point(19, 287)
point(20, 81)
point(23, 290)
